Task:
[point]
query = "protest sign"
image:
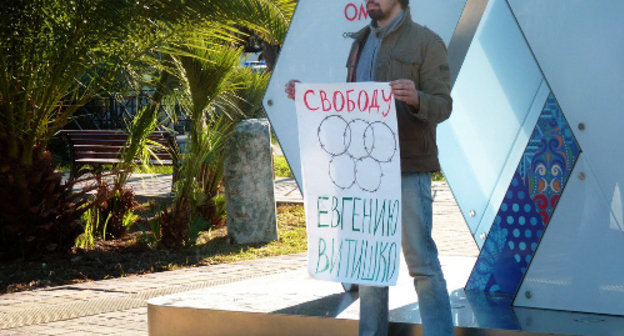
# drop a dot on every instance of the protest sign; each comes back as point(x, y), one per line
point(351, 181)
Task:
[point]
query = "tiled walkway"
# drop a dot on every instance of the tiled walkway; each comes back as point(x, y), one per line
point(117, 306)
point(158, 186)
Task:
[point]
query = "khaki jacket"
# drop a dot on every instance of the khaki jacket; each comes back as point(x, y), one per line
point(414, 52)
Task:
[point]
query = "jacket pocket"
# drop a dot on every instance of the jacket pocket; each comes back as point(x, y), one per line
point(414, 136)
point(406, 66)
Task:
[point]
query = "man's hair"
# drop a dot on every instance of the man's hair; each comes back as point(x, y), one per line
point(404, 3)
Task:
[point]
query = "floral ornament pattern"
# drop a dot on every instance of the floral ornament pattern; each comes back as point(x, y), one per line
point(528, 205)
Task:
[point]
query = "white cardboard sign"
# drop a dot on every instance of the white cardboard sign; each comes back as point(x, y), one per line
point(351, 173)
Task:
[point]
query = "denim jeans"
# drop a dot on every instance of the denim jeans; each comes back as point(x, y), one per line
point(421, 256)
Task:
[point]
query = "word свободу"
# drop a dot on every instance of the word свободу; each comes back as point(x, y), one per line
point(349, 101)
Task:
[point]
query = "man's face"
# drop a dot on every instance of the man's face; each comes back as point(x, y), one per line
point(383, 10)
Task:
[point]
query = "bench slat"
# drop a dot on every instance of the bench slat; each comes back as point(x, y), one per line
point(113, 161)
point(108, 142)
point(105, 142)
point(98, 147)
point(94, 131)
point(115, 155)
point(113, 148)
point(111, 137)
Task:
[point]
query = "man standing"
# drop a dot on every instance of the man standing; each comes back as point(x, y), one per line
point(413, 59)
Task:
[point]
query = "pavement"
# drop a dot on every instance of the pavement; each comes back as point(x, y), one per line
point(158, 187)
point(118, 306)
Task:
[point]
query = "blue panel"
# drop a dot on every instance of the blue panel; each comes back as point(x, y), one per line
point(548, 159)
point(528, 204)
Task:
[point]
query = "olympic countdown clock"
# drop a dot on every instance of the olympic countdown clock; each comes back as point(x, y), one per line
point(532, 150)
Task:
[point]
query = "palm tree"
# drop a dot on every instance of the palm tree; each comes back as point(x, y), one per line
point(215, 92)
point(55, 55)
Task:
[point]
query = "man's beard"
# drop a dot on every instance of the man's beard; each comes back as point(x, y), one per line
point(376, 14)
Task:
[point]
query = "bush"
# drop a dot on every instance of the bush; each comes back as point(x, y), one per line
point(38, 213)
point(438, 176)
point(281, 167)
point(114, 205)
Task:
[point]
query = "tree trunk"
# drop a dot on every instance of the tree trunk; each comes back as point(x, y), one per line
point(270, 53)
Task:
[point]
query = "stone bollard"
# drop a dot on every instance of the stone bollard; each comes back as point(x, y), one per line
point(249, 186)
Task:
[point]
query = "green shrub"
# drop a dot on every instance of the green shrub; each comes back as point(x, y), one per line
point(281, 167)
point(438, 176)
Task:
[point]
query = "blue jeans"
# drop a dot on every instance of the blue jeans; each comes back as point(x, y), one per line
point(421, 256)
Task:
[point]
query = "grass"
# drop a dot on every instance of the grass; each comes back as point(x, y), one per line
point(155, 169)
point(281, 167)
point(132, 255)
point(292, 239)
point(438, 176)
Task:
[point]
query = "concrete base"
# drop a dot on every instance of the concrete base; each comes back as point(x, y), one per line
point(292, 303)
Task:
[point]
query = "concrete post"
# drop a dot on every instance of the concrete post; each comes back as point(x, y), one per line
point(249, 185)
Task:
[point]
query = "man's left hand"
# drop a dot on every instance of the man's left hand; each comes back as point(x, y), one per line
point(405, 91)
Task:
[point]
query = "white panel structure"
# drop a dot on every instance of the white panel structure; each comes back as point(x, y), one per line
point(568, 323)
point(441, 16)
point(578, 265)
point(481, 144)
point(579, 46)
point(316, 49)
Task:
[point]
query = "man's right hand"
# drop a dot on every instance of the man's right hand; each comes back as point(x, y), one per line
point(290, 88)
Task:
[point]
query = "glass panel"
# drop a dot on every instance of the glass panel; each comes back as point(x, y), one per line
point(481, 143)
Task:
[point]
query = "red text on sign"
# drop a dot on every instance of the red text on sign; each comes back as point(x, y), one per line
point(305, 100)
point(375, 101)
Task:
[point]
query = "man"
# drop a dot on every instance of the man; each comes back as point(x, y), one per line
point(413, 59)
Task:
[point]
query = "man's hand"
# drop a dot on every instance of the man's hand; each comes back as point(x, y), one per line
point(290, 88)
point(405, 91)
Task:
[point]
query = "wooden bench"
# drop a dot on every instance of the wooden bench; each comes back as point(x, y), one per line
point(101, 147)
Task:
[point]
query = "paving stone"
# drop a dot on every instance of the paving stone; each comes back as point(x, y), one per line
point(287, 191)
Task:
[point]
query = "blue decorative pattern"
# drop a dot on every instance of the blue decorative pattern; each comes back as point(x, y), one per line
point(528, 204)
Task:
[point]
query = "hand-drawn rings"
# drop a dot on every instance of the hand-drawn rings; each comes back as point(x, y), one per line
point(342, 171)
point(352, 161)
point(382, 142)
point(368, 174)
point(378, 139)
point(357, 129)
point(326, 131)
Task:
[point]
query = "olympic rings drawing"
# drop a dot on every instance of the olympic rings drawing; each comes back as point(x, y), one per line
point(334, 125)
point(368, 174)
point(380, 142)
point(358, 149)
point(342, 171)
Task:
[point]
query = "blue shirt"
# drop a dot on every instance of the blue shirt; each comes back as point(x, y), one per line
point(365, 71)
